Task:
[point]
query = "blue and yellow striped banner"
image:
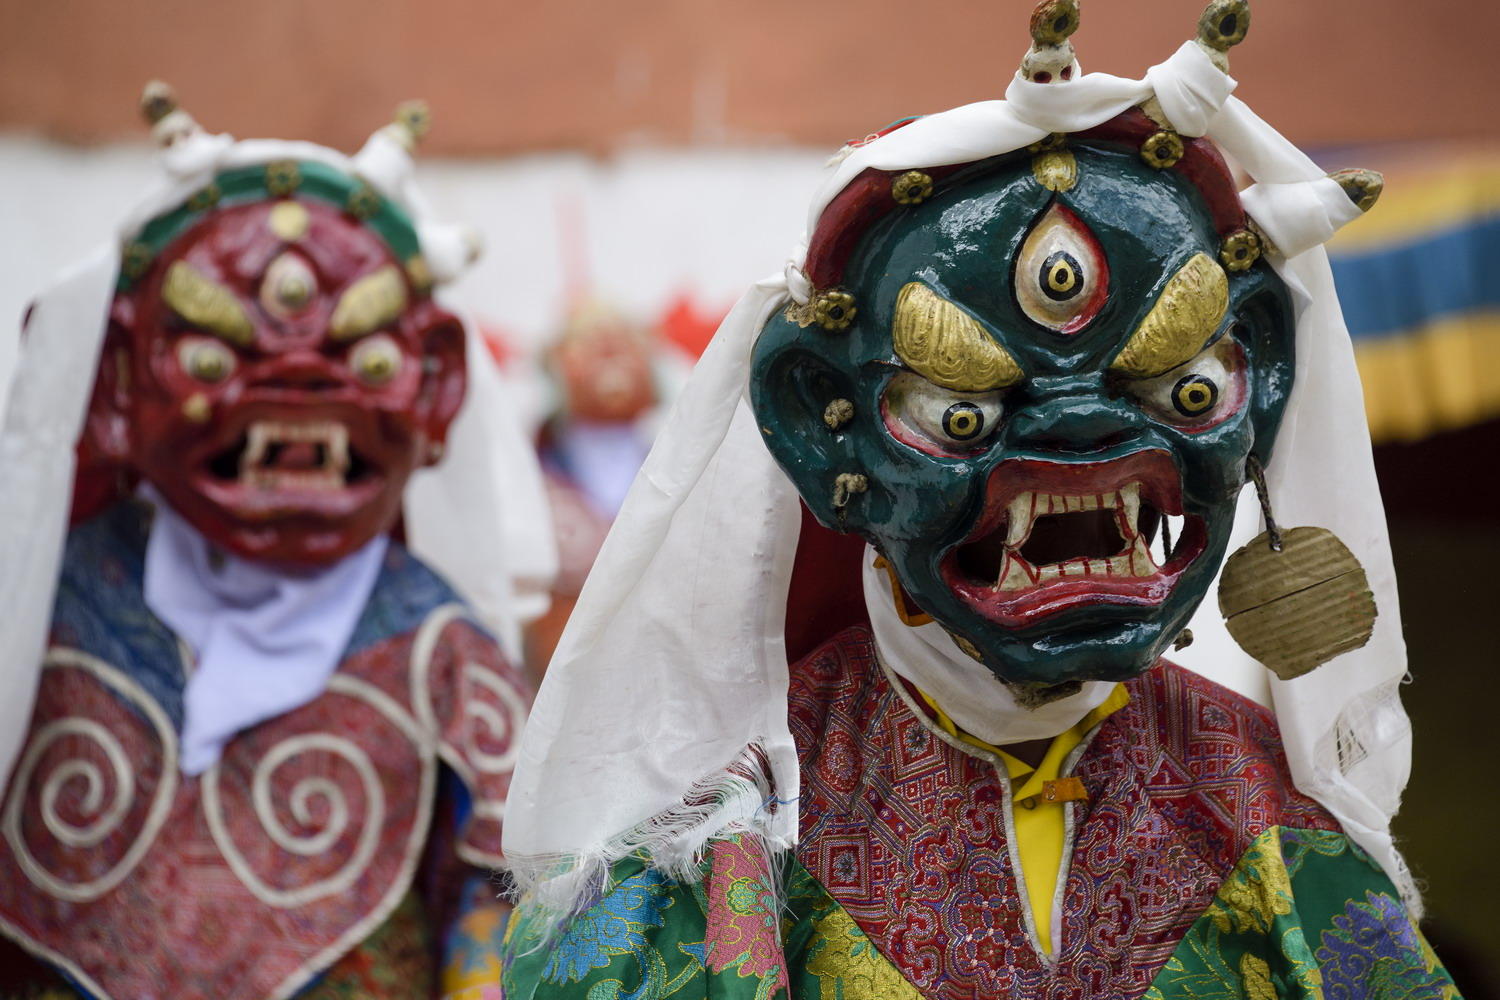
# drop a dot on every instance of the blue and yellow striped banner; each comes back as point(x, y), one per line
point(1419, 280)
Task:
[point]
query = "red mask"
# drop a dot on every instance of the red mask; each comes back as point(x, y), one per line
point(277, 378)
point(605, 369)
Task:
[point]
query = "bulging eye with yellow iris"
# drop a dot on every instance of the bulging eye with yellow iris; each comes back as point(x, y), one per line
point(927, 416)
point(206, 360)
point(1199, 393)
point(1194, 395)
point(1061, 277)
point(376, 360)
point(963, 421)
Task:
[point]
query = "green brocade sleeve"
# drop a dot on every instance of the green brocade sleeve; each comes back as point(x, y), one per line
point(1305, 915)
point(651, 937)
point(642, 939)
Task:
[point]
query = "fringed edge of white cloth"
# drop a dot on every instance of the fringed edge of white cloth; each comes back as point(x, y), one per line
point(736, 800)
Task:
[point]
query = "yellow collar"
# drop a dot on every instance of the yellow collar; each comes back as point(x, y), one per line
point(1032, 778)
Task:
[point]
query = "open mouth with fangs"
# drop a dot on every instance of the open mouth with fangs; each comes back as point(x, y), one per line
point(1058, 536)
point(277, 467)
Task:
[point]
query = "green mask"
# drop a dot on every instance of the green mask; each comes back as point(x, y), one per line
point(1046, 359)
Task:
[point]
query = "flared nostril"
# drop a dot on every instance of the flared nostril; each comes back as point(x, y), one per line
point(315, 384)
point(300, 371)
point(1071, 422)
point(1076, 441)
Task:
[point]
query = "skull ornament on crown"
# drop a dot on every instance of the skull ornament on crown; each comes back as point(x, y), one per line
point(275, 366)
point(1015, 377)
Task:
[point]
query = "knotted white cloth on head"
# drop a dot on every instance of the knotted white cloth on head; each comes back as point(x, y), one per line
point(669, 686)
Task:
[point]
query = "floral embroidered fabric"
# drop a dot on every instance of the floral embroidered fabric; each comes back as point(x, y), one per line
point(1305, 914)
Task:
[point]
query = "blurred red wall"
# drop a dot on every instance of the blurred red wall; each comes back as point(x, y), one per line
point(505, 77)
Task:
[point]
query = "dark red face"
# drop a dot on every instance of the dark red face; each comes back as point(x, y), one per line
point(277, 378)
point(605, 369)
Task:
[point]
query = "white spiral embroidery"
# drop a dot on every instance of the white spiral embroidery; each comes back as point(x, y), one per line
point(105, 819)
point(104, 815)
point(479, 715)
point(312, 789)
point(315, 787)
point(503, 723)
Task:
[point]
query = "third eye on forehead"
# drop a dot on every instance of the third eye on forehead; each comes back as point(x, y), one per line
point(1061, 276)
point(289, 286)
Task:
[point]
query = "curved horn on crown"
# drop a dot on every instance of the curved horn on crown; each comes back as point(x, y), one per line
point(1362, 186)
point(1051, 57)
point(412, 121)
point(1223, 25)
point(168, 121)
point(385, 162)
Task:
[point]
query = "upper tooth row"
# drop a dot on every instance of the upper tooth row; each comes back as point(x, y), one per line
point(318, 430)
point(329, 432)
point(1026, 507)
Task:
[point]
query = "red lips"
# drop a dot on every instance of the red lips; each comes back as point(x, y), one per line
point(1058, 536)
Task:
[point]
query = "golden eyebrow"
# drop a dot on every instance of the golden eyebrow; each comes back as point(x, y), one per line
point(945, 345)
point(370, 303)
point(1185, 315)
point(206, 304)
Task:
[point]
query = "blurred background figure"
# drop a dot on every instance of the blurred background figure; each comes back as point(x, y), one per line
point(689, 134)
point(595, 391)
point(610, 380)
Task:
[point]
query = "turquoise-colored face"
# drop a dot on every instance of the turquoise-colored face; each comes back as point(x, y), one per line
point(1047, 364)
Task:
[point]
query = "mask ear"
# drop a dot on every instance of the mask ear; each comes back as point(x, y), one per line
point(803, 406)
point(1266, 313)
point(105, 446)
point(444, 367)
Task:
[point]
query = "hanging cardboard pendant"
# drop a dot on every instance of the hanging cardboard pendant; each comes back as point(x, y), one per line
point(1296, 609)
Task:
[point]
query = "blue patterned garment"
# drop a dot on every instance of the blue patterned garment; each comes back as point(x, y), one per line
point(101, 609)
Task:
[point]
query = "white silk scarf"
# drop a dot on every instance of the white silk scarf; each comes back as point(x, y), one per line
point(264, 640)
point(965, 689)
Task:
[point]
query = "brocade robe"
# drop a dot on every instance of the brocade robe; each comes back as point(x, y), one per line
point(1192, 869)
point(288, 868)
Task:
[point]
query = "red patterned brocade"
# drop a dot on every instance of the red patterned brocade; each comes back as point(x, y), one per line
point(248, 881)
point(911, 835)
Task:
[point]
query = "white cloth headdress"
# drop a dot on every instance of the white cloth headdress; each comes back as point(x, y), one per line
point(662, 722)
point(480, 517)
